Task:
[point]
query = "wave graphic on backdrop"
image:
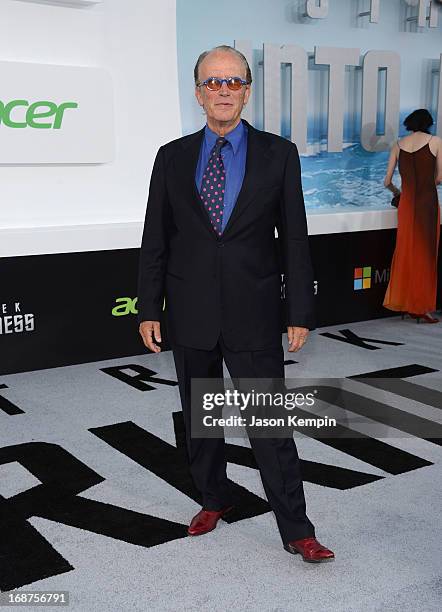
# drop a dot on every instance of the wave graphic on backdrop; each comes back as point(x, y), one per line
point(350, 179)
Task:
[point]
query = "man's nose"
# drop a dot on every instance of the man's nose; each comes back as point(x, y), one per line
point(224, 89)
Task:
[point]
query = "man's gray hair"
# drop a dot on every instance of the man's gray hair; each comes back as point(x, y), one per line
point(223, 48)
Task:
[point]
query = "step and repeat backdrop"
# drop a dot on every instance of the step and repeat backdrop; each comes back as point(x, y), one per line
point(75, 307)
point(80, 126)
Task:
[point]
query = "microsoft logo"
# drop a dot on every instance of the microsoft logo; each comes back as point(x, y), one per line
point(362, 278)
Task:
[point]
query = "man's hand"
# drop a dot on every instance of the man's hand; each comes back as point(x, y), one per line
point(150, 331)
point(297, 337)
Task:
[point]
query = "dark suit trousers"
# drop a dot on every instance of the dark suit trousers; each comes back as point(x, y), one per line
point(277, 458)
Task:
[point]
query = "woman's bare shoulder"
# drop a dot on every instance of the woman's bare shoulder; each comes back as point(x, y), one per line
point(406, 139)
point(435, 144)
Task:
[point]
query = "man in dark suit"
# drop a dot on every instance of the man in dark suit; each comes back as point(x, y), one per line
point(209, 249)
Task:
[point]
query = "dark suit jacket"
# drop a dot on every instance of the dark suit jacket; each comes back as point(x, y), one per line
point(229, 283)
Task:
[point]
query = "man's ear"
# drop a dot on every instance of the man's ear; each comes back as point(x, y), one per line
point(198, 96)
point(247, 94)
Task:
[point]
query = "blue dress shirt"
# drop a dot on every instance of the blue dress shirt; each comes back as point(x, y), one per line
point(233, 154)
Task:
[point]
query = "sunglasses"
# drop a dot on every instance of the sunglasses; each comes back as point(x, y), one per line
point(214, 84)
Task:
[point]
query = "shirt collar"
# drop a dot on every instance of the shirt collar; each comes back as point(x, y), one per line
point(234, 137)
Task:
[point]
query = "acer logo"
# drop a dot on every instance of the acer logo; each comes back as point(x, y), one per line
point(22, 114)
point(125, 306)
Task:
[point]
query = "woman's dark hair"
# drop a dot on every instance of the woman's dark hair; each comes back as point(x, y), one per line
point(419, 121)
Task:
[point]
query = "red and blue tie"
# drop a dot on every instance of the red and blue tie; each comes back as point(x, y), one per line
point(213, 186)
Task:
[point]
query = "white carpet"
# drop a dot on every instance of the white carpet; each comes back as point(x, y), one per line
point(386, 533)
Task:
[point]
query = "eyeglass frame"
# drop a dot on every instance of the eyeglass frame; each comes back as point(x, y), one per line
point(213, 78)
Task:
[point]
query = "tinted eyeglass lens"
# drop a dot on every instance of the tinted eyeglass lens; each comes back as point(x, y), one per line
point(213, 84)
point(234, 83)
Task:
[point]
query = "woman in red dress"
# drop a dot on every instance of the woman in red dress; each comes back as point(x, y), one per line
point(413, 276)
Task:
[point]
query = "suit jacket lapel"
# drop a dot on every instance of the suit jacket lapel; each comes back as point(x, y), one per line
point(188, 162)
point(256, 164)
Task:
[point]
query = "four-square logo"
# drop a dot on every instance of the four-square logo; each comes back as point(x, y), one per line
point(362, 278)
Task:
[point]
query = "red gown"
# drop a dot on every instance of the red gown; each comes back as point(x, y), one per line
point(413, 275)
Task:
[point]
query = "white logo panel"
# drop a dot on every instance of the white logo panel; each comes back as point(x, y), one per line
point(53, 114)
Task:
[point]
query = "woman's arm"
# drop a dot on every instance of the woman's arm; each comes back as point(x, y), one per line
point(391, 168)
point(438, 176)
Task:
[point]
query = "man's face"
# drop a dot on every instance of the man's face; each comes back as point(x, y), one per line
point(223, 106)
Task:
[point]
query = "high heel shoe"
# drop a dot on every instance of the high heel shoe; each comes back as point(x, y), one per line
point(426, 317)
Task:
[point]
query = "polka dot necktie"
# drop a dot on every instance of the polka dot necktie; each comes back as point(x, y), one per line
point(213, 186)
